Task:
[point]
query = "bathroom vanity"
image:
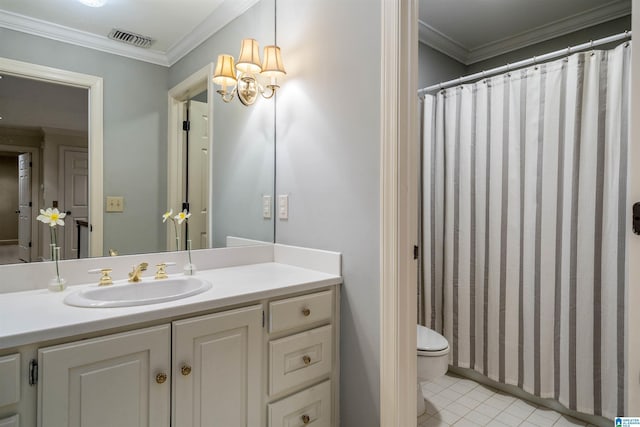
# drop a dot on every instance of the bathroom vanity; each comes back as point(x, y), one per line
point(260, 348)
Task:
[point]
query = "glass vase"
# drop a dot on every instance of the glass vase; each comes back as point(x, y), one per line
point(57, 283)
point(189, 268)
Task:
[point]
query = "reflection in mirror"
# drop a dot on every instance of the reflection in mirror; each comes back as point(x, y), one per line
point(135, 156)
point(43, 164)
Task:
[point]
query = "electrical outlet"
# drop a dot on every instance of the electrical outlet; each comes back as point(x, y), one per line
point(115, 204)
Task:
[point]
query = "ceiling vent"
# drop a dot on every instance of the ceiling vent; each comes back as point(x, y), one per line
point(131, 38)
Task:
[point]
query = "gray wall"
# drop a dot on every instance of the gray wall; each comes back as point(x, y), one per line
point(135, 133)
point(435, 67)
point(328, 161)
point(243, 137)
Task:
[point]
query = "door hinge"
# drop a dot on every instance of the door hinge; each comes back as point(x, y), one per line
point(185, 206)
point(416, 251)
point(33, 372)
point(263, 318)
point(30, 164)
point(30, 204)
point(29, 244)
point(186, 125)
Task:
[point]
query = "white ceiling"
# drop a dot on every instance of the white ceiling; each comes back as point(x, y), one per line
point(474, 30)
point(177, 26)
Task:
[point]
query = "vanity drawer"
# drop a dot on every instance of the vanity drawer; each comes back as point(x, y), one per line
point(13, 421)
point(299, 358)
point(299, 311)
point(9, 379)
point(311, 406)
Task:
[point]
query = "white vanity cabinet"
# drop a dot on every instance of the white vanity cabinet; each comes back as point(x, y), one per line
point(270, 361)
point(217, 369)
point(117, 380)
point(303, 358)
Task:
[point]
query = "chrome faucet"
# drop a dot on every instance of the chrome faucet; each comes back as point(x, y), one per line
point(136, 275)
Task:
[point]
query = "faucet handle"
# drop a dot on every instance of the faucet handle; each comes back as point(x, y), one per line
point(105, 279)
point(161, 273)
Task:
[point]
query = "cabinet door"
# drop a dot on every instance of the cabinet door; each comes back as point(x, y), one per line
point(217, 369)
point(111, 381)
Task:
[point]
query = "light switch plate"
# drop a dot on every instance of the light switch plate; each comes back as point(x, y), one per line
point(115, 204)
point(266, 206)
point(283, 206)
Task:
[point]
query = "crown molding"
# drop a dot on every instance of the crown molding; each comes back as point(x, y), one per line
point(223, 14)
point(552, 30)
point(456, 50)
point(37, 27)
point(441, 42)
point(226, 12)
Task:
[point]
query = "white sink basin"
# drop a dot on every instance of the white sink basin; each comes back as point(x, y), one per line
point(146, 292)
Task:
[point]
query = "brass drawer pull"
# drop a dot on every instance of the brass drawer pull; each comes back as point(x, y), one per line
point(306, 359)
point(305, 419)
point(161, 378)
point(306, 312)
point(185, 370)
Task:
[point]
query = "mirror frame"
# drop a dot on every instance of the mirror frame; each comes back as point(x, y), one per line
point(178, 95)
point(94, 86)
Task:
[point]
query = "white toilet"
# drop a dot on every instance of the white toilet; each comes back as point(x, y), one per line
point(433, 359)
point(433, 354)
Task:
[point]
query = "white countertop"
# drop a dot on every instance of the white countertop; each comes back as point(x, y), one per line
point(40, 315)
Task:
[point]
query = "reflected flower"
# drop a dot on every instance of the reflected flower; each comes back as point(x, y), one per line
point(52, 217)
point(182, 216)
point(167, 215)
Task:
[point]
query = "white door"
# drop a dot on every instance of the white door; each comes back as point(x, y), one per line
point(75, 198)
point(217, 365)
point(24, 207)
point(198, 173)
point(107, 382)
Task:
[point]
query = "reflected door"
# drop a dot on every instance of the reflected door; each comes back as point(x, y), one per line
point(76, 197)
point(24, 207)
point(198, 173)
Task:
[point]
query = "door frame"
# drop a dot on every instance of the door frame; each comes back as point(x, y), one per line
point(189, 87)
point(94, 86)
point(35, 196)
point(398, 212)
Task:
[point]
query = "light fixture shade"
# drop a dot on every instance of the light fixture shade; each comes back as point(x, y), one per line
point(272, 65)
point(249, 59)
point(225, 74)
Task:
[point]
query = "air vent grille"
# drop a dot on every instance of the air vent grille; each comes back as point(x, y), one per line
point(131, 38)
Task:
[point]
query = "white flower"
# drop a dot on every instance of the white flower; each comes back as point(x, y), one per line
point(182, 216)
point(52, 217)
point(167, 215)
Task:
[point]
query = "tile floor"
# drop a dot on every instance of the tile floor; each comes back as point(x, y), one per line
point(456, 401)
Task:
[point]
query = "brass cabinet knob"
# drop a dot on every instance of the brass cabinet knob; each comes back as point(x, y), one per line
point(305, 419)
point(306, 312)
point(306, 359)
point(185, 370)
point(161, 378)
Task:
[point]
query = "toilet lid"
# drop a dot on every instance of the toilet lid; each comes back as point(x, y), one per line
point(430, 340)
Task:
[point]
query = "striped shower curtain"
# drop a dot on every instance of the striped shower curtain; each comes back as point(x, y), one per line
point(524, 197)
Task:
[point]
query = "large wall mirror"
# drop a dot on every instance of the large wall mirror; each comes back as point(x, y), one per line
point(226, 168)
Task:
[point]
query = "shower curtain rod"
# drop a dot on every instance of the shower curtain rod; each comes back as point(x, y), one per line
point(525, 62)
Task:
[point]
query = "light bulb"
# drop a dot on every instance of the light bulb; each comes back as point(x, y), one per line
point(93, 3)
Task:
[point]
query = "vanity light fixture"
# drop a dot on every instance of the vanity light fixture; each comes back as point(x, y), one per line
point(243, 77)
